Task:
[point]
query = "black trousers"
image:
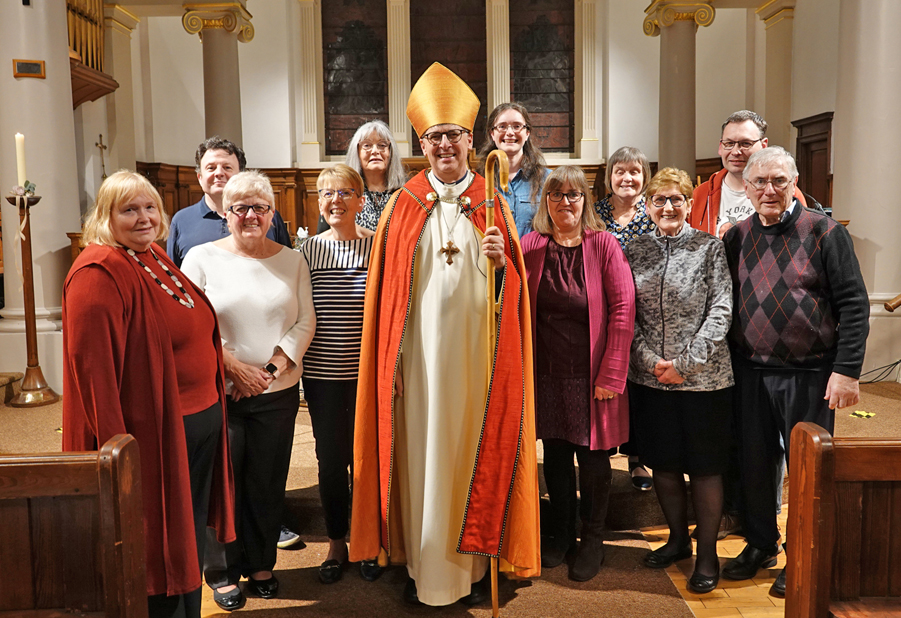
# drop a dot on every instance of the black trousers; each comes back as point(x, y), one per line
point(261, 436)
point(595, 476)
point(332, 405)
point(771, 402)
point(202, 431)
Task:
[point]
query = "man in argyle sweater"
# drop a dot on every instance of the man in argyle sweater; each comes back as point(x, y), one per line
point(798, 337)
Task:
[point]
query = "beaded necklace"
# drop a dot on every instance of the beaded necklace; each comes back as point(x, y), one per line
point(189, 304)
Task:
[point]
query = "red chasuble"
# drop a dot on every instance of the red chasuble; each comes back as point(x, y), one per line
point(501, 517)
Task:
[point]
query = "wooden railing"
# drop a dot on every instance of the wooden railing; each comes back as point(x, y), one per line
point(85, 18)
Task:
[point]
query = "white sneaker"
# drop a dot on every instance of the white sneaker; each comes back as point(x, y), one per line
point(287, 538)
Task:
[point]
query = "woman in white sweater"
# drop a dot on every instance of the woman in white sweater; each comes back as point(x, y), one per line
point(262, 296)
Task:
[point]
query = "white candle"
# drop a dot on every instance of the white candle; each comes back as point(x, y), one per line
point(20, 158)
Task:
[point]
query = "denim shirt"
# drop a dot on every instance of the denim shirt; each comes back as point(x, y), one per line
point(519, 198)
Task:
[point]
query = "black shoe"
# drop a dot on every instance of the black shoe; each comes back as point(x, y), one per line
point(589, 558)
point(748, 562)
point(778, 587)
point(370, 570)
point(641, 483)
point(554, 552)
point(229, 601)
point(663, 557)
point(331, 571)
point(702, 584)
point(410, 595)
point(263, 588)
point(478, 592)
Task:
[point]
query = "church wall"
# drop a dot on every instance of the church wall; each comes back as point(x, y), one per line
point(814, 57)
point(265, 83)
point(90, 124)
point(633, 82)
point(721, 65)
point(176, 83)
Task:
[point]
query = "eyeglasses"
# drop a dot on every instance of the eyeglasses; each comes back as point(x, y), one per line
point(242, 209)
point(344, 194)
point(516, 127)
point(747, 144)
point(572, 196)
point(779, 184)
point(677, 201)
point(453, 136)
point(380, 147)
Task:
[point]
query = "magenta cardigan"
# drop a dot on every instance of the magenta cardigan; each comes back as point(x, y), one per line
point(611, 315)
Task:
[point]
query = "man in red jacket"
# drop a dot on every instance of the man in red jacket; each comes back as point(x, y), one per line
point(720, 203)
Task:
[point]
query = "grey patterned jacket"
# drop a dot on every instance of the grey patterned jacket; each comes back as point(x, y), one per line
point(683, 309)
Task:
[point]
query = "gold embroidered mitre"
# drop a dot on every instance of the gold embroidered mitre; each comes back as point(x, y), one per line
point(441, 97)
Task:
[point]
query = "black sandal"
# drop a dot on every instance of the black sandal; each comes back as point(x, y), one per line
point(641, 483)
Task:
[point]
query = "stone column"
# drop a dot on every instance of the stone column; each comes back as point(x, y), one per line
point(399, 74)
point(778, 15)
point(676, 23)
point(220, 26)
point(41, 109)
point(498, 52)
point(120, 106)
point(865, 132)
point(310, 149)
point(586, 116)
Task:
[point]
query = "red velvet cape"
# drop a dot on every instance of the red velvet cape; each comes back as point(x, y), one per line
point(501, 517)
point(120, 377)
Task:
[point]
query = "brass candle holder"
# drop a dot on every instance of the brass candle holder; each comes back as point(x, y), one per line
point(35, 391)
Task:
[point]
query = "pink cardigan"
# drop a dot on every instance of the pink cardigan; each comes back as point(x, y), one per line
point(611, 314)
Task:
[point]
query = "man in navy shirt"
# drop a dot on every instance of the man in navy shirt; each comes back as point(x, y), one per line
point(217, 160)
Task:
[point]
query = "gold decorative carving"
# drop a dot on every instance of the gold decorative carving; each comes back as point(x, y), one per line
point(663, 13)
point(228, 16)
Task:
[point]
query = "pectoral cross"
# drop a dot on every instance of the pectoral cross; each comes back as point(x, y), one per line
point(450, 251)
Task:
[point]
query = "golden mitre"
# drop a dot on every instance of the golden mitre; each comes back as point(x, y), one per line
point(441, 97)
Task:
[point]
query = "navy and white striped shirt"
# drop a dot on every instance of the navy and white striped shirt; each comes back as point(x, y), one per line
point(338, 274)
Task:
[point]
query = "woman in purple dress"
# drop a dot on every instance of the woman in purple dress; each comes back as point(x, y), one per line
point(583, 310)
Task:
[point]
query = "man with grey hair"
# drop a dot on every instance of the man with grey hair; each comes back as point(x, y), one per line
point(798, 337)
point(720, 203)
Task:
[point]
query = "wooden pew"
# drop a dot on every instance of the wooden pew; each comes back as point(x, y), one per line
point(71, 533)
point(844, 526)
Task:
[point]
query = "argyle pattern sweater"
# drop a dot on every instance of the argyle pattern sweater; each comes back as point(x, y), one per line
point(800, 300)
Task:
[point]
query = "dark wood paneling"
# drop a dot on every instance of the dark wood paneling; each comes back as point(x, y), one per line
point(814, 156)
point(875, 534)
point(846, 578)
point(15, 555)
point(65, 554)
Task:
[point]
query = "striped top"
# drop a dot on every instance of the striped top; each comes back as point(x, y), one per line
point(338, 274)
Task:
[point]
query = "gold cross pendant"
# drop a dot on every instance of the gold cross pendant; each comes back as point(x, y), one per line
point(450, 251)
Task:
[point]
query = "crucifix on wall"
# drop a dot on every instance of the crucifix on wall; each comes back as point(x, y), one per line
point(102, 147)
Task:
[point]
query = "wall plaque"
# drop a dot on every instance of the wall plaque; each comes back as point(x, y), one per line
point(29, 68)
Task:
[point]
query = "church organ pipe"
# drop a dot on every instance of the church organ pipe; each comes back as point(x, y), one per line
point(85, 21)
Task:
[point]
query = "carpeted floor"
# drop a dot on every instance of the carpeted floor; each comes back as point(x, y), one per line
point(623, 589)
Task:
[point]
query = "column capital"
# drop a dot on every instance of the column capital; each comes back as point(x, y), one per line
point(229, 16)
point(774, 11)
point(118, 18)
point(663, 13)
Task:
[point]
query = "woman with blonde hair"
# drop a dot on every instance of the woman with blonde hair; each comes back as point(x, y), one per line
point(142, 356)
point(338, 260)
point(680, 378)
point(583, 308)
